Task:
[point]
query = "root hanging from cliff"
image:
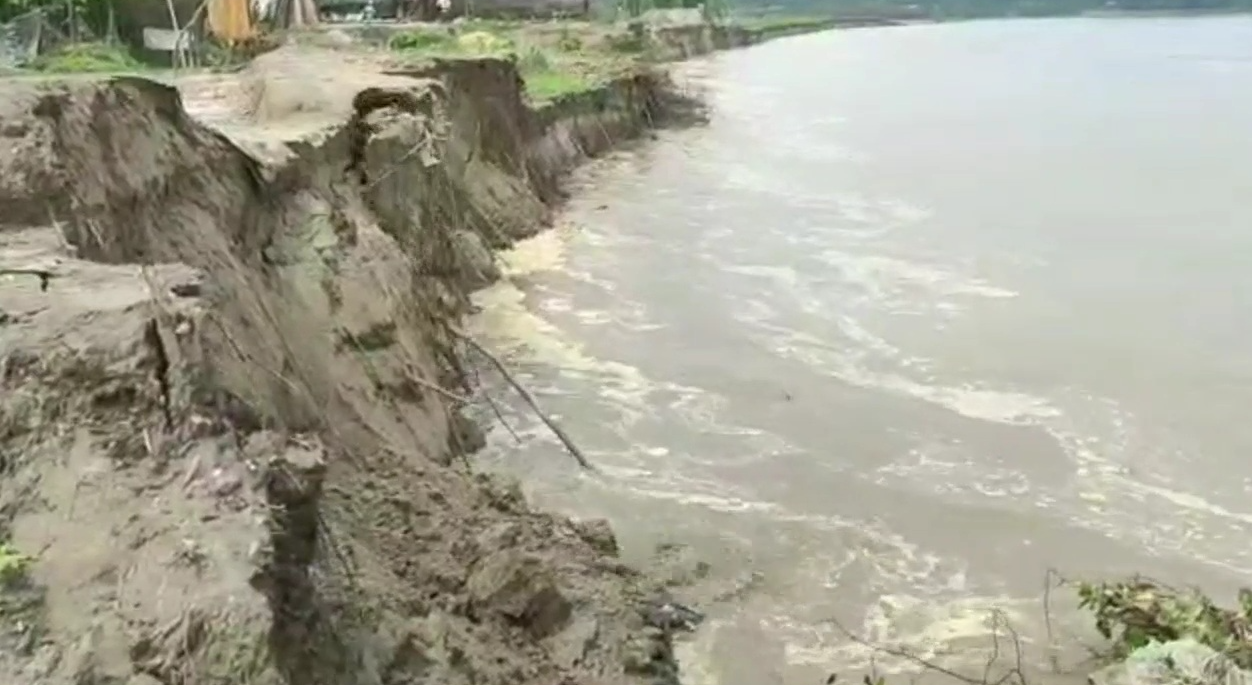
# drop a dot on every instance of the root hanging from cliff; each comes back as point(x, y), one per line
point(552, 425)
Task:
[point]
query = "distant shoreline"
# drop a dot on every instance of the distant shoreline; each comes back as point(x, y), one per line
point(1120, 14)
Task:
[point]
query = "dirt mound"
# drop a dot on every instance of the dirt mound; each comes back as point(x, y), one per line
point(229, 424)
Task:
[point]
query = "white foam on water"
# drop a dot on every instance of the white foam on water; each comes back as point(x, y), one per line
point(697, 656)
point(898, 283)
point(1104, 496)
point(969, 400)
point(926, 627)
point(518, 333)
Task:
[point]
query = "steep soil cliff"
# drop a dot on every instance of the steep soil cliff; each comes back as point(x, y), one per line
point(230, 387)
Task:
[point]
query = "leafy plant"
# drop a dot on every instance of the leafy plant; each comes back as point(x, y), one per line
point(1136, 612)
point(13, 565)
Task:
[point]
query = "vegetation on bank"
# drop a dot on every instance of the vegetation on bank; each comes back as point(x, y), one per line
point(554, 59)
point(87, 58)
point(768, 26)
point(1154, 634)
point(1132, 614)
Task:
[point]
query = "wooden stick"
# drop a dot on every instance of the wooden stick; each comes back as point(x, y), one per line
point(530, 399)
point(496, 408)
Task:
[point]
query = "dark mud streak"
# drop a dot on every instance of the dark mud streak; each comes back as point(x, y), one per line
point(161, 371)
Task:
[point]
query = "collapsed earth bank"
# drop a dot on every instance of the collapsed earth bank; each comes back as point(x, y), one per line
point(231, 447)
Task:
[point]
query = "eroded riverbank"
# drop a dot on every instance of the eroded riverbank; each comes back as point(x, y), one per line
point(233, 383)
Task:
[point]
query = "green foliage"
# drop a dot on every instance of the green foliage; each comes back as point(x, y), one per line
point(13, 566)
point(484, 43)
point(90, 13)
point(14, 8)
point(1134, 613)
point(86, 58)
point(420, 40)
point(568, 41)
point(475, 43)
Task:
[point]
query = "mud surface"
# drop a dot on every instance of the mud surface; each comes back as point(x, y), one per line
point(230, 430)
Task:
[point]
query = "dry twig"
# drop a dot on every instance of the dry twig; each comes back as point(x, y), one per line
point(495, 408)
point(1014, 675)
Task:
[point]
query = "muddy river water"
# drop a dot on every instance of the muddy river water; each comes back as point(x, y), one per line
point(921, 313)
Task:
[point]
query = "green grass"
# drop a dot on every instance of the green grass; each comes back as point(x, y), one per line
point(548, 85)
point(87, 58)
point(551, 68)
point(785, 24)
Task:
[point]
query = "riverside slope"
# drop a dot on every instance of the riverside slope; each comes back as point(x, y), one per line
point(230, 439)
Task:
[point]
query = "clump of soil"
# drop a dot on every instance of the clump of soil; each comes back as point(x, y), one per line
point(229, 420)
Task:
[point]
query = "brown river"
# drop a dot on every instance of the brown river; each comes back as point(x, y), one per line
point(922, 313)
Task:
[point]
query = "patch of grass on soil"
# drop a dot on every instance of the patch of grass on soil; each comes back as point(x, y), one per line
point(782, 25)
point(554, 59)
point(553, 84)
point(87, 58)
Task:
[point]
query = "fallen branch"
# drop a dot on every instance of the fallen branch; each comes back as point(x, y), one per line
point(529, 399)
point(496, 409)
point(1013, 675)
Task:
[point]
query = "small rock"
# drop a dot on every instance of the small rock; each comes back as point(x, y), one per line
point(571, 646)
point(504, 493)
point(295, 476)
point(519, 587)
point(671, 616)
point(499, 536)
point(466, 436)
point(225, 482)
point(599, 534)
